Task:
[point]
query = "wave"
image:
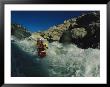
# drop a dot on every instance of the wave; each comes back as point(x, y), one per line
point(62, 60)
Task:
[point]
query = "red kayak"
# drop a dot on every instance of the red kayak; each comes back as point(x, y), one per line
point(41, 54)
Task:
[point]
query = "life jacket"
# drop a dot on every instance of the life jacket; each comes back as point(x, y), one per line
point(41, 47)
point(41, 51)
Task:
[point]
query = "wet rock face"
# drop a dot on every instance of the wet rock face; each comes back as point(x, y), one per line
point(19, 31)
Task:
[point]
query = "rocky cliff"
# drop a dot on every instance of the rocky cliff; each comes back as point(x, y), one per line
point(19, 31)
point(84, 31)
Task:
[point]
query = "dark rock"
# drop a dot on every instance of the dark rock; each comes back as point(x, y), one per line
point(66, 37)
point(88, 19)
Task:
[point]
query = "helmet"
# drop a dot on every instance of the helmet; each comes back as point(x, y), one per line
point(40, 40)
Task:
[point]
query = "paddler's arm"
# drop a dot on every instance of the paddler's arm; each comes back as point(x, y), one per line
point(46, 46)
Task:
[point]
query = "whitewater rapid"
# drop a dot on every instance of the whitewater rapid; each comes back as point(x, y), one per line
point(64, 60)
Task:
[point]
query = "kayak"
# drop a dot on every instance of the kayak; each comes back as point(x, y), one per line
point(42, 54)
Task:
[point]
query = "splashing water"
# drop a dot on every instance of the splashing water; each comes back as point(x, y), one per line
point(66, 60)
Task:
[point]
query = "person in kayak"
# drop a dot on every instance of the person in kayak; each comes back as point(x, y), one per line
point(41, 48)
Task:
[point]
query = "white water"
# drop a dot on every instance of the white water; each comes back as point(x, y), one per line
point(66, 60)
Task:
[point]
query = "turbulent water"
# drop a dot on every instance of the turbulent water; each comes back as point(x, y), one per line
point(61, 60)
